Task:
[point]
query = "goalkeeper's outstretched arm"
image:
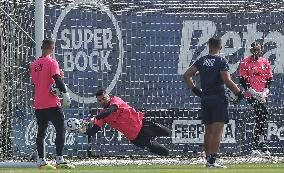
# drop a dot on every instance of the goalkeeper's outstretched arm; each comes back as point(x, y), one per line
point(107, 112)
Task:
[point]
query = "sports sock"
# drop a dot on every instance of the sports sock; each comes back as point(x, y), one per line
point(41, 161)
point(212, 158)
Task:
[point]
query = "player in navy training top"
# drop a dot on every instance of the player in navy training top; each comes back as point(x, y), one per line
point(214, 73)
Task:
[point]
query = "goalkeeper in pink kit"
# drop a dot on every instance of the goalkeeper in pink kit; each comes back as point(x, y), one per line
point(124, 118)
point(44, 72)
point(256, 77)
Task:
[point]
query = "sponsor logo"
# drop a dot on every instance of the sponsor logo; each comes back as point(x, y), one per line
point(31, 134)
point(91, 48)
point(190, 50)
point(192, 131)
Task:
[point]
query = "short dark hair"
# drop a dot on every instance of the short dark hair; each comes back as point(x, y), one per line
point(215, 42)
point(100, 92)
point(255, 44)
point(47, 44)
point(255, 47)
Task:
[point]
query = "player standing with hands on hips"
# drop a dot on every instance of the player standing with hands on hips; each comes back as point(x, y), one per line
point(256, 78)
point(124, 118)
point(44, 72)
point(214, 73)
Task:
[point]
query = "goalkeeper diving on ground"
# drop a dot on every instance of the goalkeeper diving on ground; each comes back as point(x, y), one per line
point(124, 118)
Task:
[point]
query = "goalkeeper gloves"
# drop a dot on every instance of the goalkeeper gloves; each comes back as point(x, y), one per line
point(66, 100)
point(265, 92)
point(83, 128)
point(85, 123)
point(196, 91)
point(87, 127)
point(263, 95)
point(259, 96)
point(253, 92)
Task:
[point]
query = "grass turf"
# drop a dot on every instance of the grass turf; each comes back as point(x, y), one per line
point(237, 168)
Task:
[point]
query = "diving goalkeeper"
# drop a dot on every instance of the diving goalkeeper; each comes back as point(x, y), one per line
point(124, 118)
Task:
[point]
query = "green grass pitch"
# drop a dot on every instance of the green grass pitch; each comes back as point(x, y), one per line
point(237, 168)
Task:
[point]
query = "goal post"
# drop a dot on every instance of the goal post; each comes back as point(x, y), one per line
point(39, 25)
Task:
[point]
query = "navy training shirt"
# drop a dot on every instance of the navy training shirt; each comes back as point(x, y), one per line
point(209, 68)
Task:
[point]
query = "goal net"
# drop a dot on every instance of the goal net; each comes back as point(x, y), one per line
point(139, 51)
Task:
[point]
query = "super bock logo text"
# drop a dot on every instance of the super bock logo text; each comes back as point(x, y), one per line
point(89, 47)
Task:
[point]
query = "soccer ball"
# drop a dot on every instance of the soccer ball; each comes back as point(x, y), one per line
point(72, 124)
point(55, 90)
point(231, 97)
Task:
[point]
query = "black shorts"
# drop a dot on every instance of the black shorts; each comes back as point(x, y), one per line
point(214, 109)
point(149, 131)
point(144, 136)
point(54, 115)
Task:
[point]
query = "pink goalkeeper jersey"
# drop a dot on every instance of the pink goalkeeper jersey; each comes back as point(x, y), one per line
point(256, 72)
point(42, 71)
point(126, 119)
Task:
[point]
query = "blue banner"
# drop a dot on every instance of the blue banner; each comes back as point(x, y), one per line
point(142, 57)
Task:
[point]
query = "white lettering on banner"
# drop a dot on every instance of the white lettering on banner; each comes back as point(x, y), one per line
point(110, 133)
point(108, 130)
point(273, 130)
point(92, 47)
point(208, 29)
point(249, 130)
point(192, 131)
point(101, 38)
point(71, 61)
point(84, 36)
point(186, 52)
point(31, 133)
